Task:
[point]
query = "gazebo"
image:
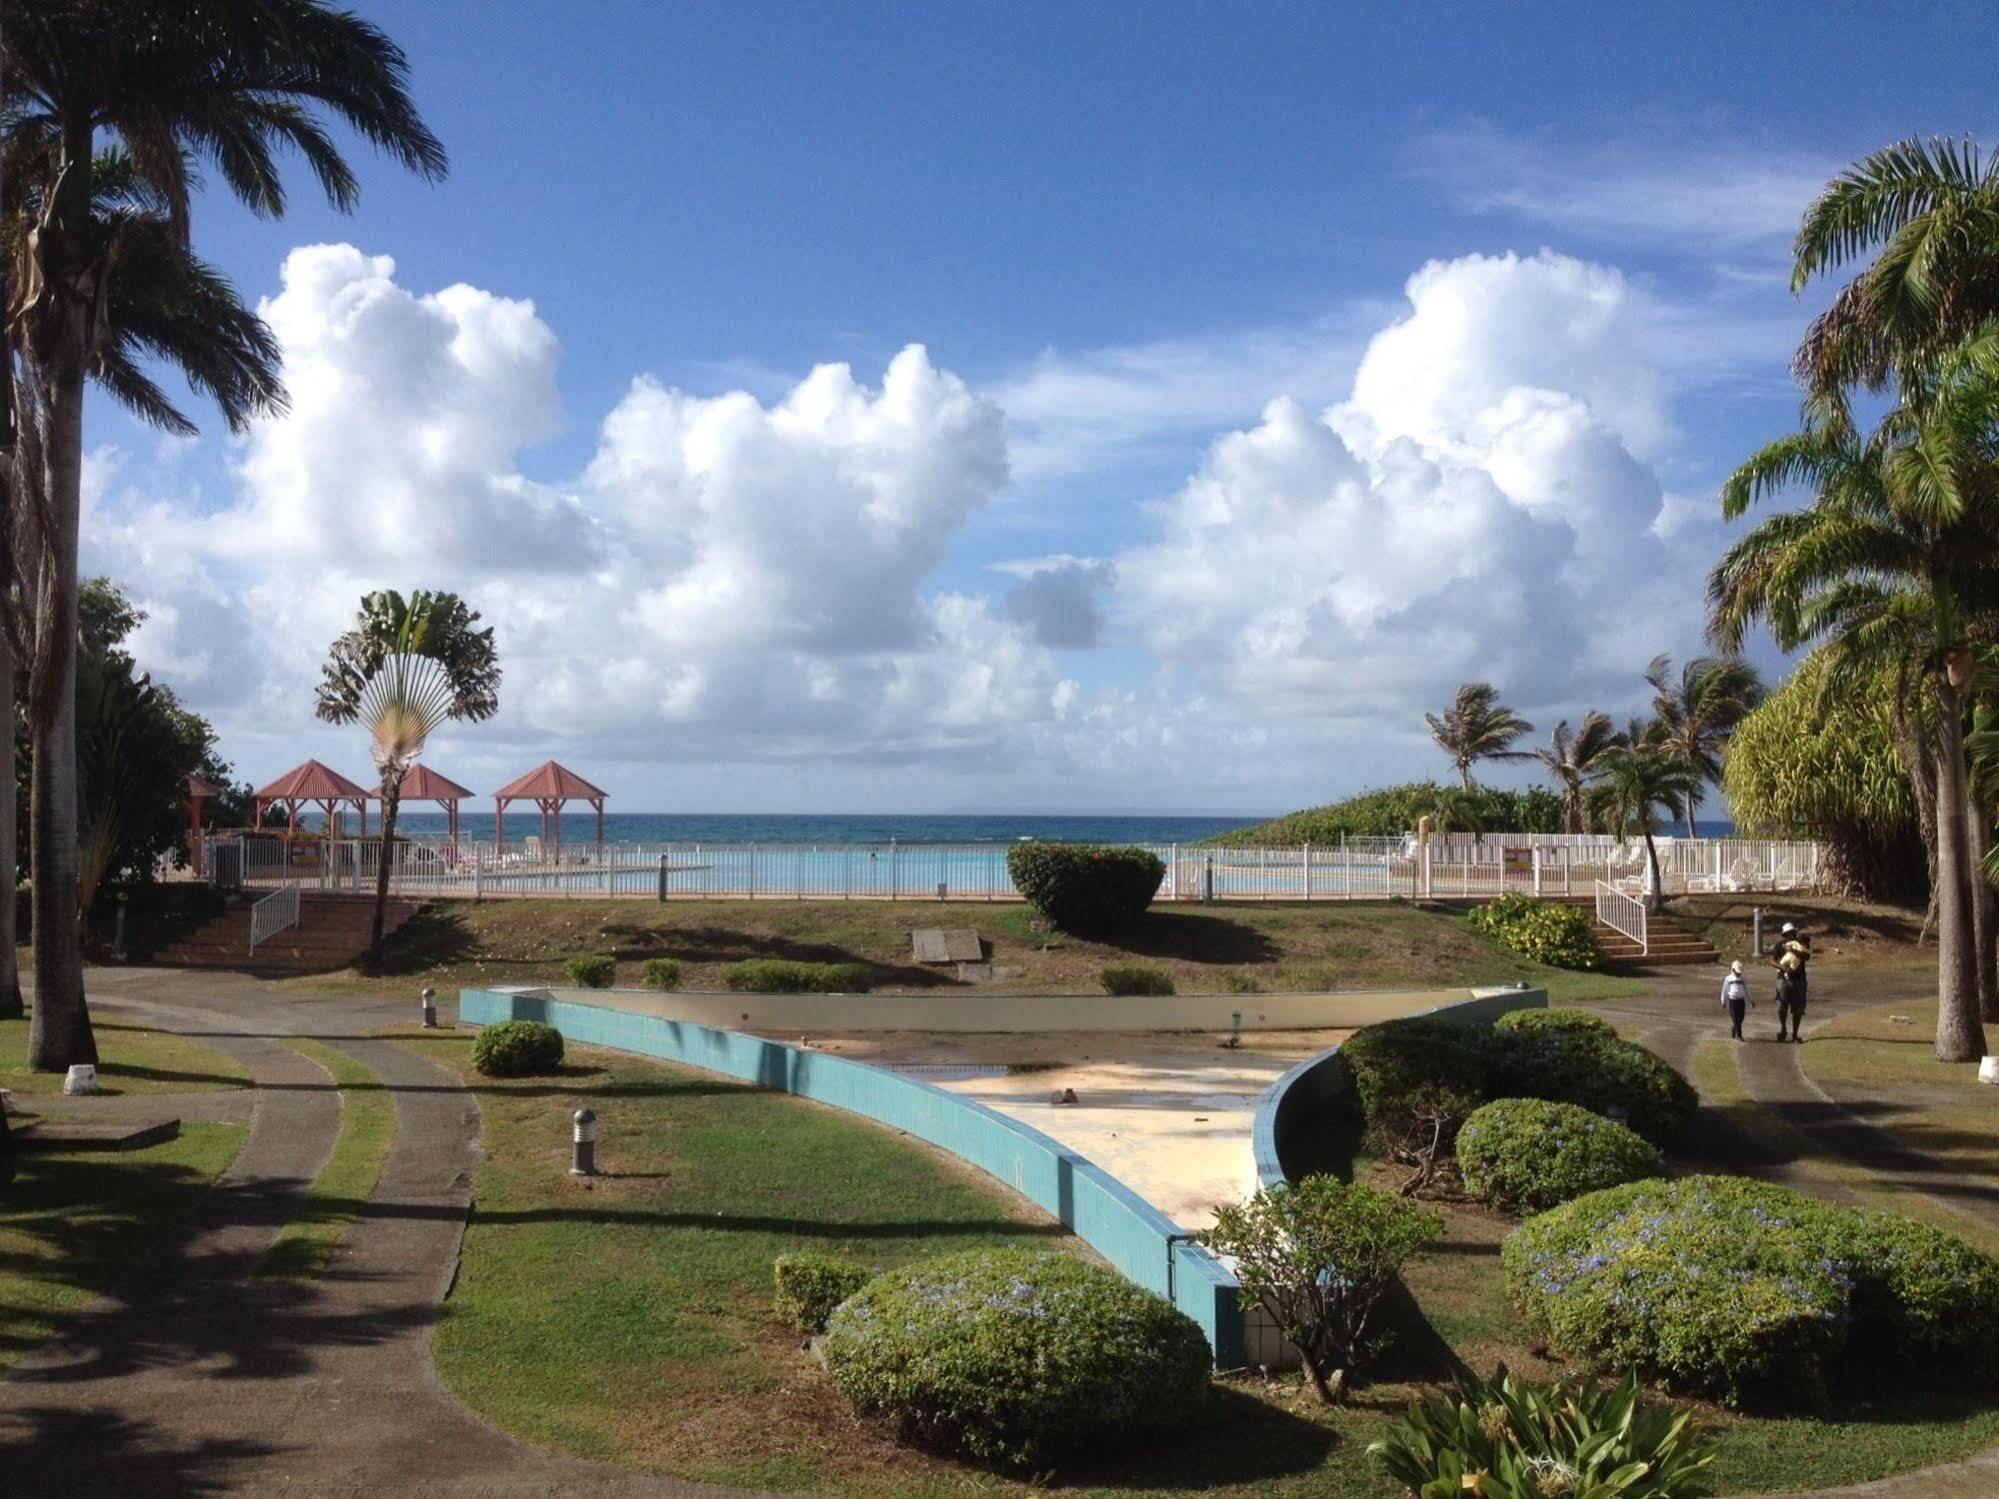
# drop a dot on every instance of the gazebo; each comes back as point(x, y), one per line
point(422, 784)
point(195, 790)
point(312, 785)
point(548, 786)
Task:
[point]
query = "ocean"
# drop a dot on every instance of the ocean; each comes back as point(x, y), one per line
point(827, 828)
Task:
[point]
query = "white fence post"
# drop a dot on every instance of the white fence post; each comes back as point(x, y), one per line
point(1308, 872)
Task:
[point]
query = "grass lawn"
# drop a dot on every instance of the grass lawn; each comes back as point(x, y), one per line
point(1213, 949)
point(345, 1182)
point(71, 1224)
point(131, 1059)
point(1846, 934)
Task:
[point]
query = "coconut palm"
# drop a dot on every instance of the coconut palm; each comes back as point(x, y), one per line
point(1697, 711)
point(1477, 726)
point(179, 84)
point(404, 670)
point(1895, 561)
point(1573, 758)
point(1634, 787)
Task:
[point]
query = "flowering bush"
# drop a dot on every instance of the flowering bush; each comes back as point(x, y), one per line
point(1546, 931)
point(1532, 1153)
point(1015, 1357)
point(1084, 887)
point(810, 1286)
point(1596, 1069)
point(1737, 1290)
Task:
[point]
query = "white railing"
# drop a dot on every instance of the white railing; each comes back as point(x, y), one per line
point(275, 913)
point(1623, 913)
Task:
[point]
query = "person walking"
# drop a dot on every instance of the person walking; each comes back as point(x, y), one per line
point(1792, 953)
point(1735, 997)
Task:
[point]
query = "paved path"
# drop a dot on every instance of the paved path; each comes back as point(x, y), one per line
point(189, 1379)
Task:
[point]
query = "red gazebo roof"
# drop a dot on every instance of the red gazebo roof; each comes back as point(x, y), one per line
point(200, 788)
point(311, 782)
point(422, 784)
point(548, 779)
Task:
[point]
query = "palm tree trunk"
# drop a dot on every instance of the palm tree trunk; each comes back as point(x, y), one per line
point(59, 1036)
point(1984, 911)
point(1658, 882)
point(392, 795)
point(10, 844)
point(1920, 767)
point(1960, 1037)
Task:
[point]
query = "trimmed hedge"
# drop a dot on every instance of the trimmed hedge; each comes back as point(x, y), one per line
point(1084, 887)
point(1015, 1357)
point(789, 976)
point(1135, 978)
point(517, 1048)
point(1546, 931)
point(809, 1286)
point(1535, 1153)
point(1597, 1069)
point(662, 973)
point(1554, 1020)
point(1746, 1292)
point(591, 970)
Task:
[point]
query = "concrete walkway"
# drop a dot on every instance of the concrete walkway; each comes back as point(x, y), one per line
point(192, 1379)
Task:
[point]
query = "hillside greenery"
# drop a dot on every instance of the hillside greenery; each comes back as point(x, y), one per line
point(1394, 810)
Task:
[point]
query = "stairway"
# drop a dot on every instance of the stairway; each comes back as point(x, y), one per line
point(332, 932)
point(1671, 946)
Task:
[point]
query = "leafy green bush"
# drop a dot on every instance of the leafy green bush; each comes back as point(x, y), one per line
point(1416, 1082)
point(591, 971)
point(1084, 887)
point(789, 976)
point(518, 1048)
point(1554, 1020)
point(1507, 1439)
point(1394, 810)
point(1739, 1290)
point(810, 1286)
point(1532, 1153)
point(662, 973)
point(1015, 1357)
point(1598, 1070)
point(1319, 1254)
point(1135, 978)
point(1546, 931)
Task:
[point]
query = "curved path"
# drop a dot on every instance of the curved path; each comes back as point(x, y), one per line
point(190, 1379)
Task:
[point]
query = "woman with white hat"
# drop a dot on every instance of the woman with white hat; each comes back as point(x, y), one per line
point(1735, 997)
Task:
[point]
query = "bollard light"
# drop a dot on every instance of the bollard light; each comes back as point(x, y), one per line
point(584, 1161)
point(429, 1009)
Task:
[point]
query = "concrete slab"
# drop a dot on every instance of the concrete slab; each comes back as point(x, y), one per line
point(34, 1132)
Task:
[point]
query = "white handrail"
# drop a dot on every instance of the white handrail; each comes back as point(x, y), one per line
point(1622, 913)
point(273, 914)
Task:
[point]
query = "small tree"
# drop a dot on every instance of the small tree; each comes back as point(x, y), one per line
point(1318, 1255)
point(406, 668)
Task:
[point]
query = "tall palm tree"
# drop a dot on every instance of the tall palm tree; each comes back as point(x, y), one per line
point(1573, 758)
point(1634, 787)
point(1477, 726)
point(179, 84)
point(1895, 560)
point(404, 670)
point(1699, 709)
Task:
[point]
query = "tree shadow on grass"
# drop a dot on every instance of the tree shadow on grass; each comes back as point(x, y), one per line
point(1195, 937)
point(435, 936)
point(1239, 1438)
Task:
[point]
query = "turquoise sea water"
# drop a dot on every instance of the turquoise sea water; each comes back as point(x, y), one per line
point(829, 828)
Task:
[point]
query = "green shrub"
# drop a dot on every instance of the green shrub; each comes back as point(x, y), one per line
point(1318, 1255)
point(1598, 1070)
point(1085, 887)
point(1135, 978)
point(662, 973)
point(809, 1286)
point(1554, 1020)
point(789, 976)
point(591, 971)
point(1504, 1438)
point(1546, 931)
point(518, 1048)
point(1532, 1153)
point(1416, 1082)
point(1014, 1357)
point(1241, 983)
point(1741, 1291)
point(1393, 811)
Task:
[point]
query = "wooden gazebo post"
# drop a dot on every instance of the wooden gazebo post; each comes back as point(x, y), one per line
point(549, 786)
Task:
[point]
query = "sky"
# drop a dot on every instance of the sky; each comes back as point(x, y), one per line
point(966, 407)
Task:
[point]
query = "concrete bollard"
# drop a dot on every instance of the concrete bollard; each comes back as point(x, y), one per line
point(1988, 1070)
point(82, 1078)
point(429, 1008)
point(584, 1161)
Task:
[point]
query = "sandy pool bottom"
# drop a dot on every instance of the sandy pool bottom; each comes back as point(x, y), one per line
point(1168, 1113)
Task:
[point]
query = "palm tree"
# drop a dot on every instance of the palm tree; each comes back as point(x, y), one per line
point(1697, 711)
point(1477, 726)
point(1573, 758)
point(226, 83)
point(405, 669)
point(1633, 787)
point(1895, 561)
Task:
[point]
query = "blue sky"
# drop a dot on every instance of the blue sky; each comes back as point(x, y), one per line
point(1072, 556)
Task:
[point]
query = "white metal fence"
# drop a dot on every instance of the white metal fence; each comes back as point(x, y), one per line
point(1358, 869)
point(1624, 913)
point(275, 913)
